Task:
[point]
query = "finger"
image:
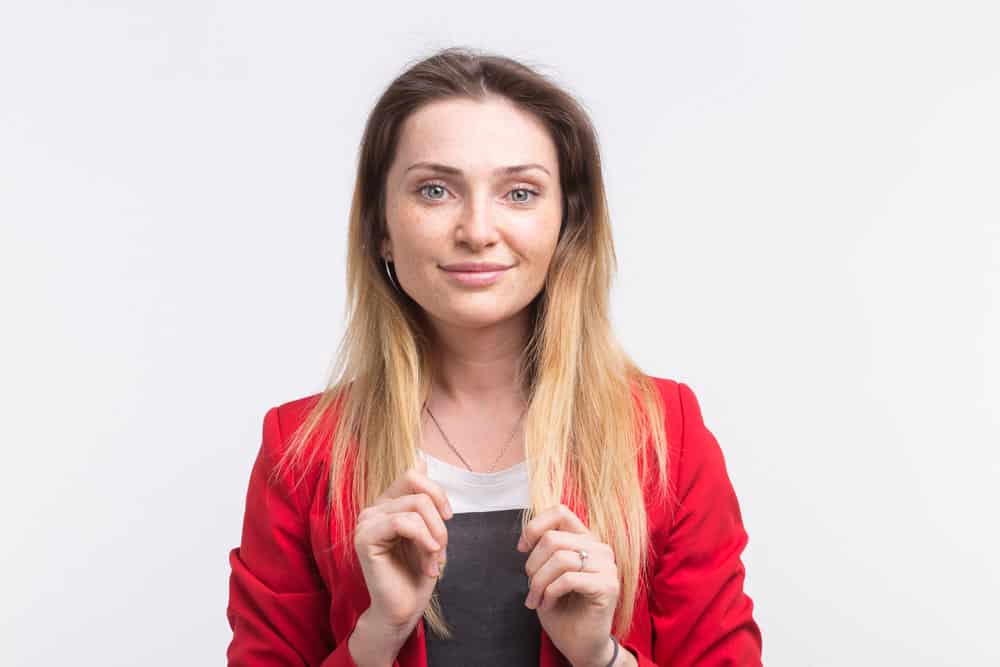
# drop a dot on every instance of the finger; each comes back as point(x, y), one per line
point(560, 562)
point(424, 505)
point(415, 480)
point(390, 528)
point(594, 585)
point(425, 560)
point(558, 517)
point(554, 540)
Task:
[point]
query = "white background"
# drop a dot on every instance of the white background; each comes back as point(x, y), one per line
point(805, 208)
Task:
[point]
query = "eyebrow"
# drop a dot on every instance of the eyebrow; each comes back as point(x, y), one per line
point(445, 169)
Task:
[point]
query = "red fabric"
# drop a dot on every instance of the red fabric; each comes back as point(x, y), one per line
point(292, 602)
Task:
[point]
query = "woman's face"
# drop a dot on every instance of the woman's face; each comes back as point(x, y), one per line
point(468, 209)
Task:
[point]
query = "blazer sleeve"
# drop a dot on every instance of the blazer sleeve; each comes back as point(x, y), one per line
point(701, 616)
point(278, 604)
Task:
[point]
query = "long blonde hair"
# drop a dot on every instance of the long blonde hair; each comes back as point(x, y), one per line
point(593, 417)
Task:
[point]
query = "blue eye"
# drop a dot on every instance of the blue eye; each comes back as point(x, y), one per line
point(527, 191)
point(431, 185)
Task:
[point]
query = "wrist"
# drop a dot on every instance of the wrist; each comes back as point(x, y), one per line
point(603, 657)
point(626, 658)
point(374, 643)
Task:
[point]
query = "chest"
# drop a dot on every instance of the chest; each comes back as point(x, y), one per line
point(489, 442)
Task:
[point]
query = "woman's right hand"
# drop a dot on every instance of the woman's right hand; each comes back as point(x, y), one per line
point(400, 539)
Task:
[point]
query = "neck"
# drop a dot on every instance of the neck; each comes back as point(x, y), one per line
point(479, 366)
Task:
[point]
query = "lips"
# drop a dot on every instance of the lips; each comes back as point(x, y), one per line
point(478, 274)
point(475, 267)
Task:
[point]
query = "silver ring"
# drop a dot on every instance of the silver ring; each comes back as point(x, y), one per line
point(583, 558)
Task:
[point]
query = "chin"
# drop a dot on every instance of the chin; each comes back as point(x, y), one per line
point(473, 318)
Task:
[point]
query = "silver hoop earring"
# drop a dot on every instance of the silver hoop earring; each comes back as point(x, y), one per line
point(389, 273)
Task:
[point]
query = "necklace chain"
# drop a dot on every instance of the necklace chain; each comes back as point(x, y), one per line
point(502, 451)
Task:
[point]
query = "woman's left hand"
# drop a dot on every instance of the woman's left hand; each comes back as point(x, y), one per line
point(575, 607)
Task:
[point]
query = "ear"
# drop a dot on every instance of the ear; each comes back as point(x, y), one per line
point(386, 249)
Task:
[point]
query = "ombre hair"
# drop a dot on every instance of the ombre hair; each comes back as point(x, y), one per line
point(594, 419)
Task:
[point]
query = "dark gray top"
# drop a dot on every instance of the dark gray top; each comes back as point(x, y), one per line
point(484, 584)
point(482, 595)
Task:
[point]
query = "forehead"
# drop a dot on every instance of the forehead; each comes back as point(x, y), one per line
point(475, 136)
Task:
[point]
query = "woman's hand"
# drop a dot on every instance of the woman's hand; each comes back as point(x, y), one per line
point(575, 608)
point(400, 540)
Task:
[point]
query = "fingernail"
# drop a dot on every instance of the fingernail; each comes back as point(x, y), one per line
point(437, 570)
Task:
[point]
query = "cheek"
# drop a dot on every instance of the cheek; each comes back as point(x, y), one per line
point(415, 235)
point(537, 241)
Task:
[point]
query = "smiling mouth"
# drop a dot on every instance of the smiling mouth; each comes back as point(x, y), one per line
point(475, 267)
point(476, 277)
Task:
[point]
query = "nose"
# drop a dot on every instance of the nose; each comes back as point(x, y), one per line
point(476, 226)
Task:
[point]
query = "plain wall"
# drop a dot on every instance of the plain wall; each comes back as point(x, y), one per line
point(806, 217)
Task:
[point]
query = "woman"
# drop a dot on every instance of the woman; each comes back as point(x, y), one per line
point(483, 415)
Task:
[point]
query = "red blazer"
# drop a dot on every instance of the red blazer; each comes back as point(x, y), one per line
point(292, 602)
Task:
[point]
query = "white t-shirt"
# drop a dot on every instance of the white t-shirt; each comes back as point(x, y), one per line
point(480, 491)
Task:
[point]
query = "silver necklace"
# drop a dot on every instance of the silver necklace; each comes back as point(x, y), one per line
point(502, 452)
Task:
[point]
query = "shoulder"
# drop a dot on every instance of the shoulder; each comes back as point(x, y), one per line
point(693, 452)
point(292, 413)
point(673, 413)
point(282, 423)
point(680, 406)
